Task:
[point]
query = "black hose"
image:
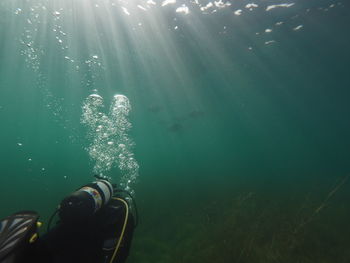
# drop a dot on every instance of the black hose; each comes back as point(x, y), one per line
point(51, 218)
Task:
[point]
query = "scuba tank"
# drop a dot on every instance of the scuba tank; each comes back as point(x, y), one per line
point(85, 202)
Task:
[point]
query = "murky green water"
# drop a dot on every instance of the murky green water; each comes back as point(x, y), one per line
point(239, 113)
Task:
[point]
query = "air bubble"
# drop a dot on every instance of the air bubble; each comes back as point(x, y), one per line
point(110, 144)
point(18, 10)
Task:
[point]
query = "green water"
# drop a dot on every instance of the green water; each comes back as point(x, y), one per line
point(240, 122)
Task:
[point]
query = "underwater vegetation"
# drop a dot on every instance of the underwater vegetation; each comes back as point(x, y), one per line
point(250, 227)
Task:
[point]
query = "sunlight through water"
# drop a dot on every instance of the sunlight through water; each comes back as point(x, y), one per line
point(159, 53)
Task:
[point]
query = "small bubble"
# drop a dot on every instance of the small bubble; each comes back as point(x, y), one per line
point(65, 177)
point(18, 10)
point(43, 169)
point(95, 56)
point(19, 144)
point(29, 159)
point(298, 27)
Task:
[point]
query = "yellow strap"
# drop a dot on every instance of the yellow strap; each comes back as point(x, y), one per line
point(33, 238)
point(124, 226)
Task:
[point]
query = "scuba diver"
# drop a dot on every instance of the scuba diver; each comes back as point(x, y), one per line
point(96, 225)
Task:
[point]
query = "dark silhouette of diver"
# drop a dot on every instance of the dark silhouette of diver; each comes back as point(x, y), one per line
point(96, 225)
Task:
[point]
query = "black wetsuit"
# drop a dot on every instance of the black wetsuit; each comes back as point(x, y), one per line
point(91, 241)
